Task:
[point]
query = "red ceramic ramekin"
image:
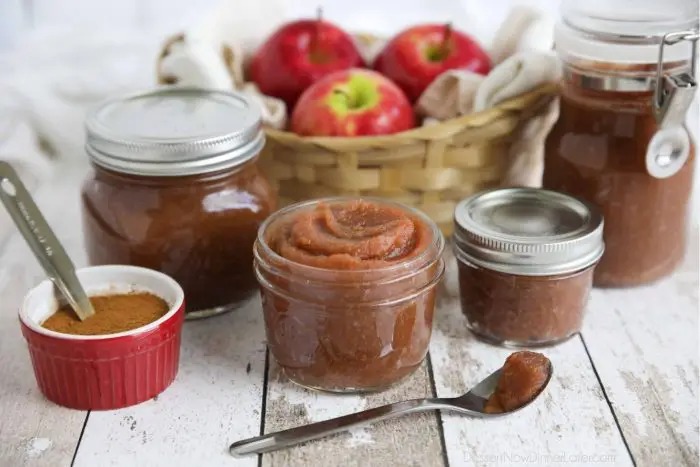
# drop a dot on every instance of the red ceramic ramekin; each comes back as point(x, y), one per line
point(109, 371)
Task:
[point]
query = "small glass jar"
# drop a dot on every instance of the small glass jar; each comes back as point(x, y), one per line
point(348, 291)
point(621, 141)
point(175, 187)
point(525, 261)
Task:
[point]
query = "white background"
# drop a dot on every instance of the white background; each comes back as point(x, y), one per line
point(164, 16)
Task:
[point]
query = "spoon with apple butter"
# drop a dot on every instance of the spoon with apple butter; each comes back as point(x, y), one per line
point(521, 380)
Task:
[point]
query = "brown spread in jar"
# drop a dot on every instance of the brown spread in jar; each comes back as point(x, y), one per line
point(113, 314)
point(199, 230)
point(175, 187)
point(356, 235)
point(525, 309)
point(523, 377)
point(525, 263)
point(348, 291)
point(597, 151)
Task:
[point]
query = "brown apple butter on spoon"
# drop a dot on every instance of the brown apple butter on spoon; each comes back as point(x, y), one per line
point(523, 376)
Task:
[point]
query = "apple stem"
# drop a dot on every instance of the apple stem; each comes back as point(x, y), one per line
point(342, 92)
point(444, 46)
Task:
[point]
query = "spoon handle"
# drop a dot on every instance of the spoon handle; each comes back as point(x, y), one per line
point(42, 241)
point(281, 439)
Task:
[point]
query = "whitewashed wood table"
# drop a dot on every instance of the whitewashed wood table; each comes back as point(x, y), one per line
point(624, 392)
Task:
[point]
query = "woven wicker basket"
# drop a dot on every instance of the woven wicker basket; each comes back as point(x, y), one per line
point(431, 167)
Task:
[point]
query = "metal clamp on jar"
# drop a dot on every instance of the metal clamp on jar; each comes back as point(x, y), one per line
point(669, 148)
point(621, 141)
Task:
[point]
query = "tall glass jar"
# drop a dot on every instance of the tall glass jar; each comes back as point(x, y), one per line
point(175, 187)
point(621, 142)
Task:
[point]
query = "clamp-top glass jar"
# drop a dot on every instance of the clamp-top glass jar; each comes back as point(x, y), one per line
point(620, 142)
point(175, 187)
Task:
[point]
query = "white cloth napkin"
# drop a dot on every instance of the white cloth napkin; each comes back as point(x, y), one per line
point(524, 29)
point(194, 62)
point(516, 75)
point(214, 52)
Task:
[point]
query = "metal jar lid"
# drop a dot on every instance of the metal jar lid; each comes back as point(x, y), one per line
point(174, 131)
point(528, 231)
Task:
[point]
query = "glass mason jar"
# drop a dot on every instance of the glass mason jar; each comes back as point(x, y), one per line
point(348, 290)
point(621, 141)
point(175, 187)
point(525, 260)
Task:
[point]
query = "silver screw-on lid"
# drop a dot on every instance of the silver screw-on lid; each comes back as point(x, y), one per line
point(174, 131)
point(528, 231)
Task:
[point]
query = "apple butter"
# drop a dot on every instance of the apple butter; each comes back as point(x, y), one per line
point(175, 187)
point(620, 142)
point(348, 290)
point(525, 260)
point(523, 376)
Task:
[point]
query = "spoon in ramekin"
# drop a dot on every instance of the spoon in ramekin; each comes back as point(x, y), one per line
point(42, 241)
point(474, 403)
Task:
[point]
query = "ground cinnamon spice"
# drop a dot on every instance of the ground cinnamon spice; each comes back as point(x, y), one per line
point(113, 314)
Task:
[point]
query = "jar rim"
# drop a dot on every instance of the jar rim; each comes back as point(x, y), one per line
point(430, 254)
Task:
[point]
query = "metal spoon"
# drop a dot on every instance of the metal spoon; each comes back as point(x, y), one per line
point(471, 403)
point(42, 241)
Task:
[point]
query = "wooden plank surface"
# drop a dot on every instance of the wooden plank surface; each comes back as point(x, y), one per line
point(644, 342)
point(215, 400)
point(34, 431)
point(570, 424)
point(412, 440)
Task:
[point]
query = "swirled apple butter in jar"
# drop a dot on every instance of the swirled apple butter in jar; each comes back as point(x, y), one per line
point(621, 141)
point(348, 290)
point(175, 187)
point(525, 262)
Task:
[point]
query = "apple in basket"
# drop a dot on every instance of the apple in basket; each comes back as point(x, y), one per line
point(418, 55)
point(299, 54)
point(352, 102)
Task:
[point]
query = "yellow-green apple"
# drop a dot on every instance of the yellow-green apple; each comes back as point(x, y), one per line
point(416, 56)
point(299, 54)
point(353, 102)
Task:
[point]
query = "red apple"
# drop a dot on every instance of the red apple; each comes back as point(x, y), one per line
point(352, 103)
point(416, 56)
point(299, 54)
